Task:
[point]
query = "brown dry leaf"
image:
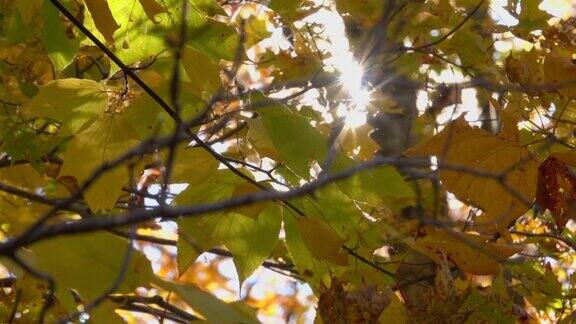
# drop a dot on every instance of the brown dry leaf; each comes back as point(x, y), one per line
point(471, 253)
point(103, 19)
point(474, 149)
point(321, 240)
point(557, 191)
point(362, 305)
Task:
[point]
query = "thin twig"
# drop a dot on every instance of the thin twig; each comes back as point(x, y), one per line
point(452, 31)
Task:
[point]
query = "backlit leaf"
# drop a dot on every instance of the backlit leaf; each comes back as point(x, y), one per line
point(252, 241)
point(321, 240)
point(61, 50)
point(475, 149)
point(74, 102)
point(210, 307)
point(105, 139)
point(471, 253)
point(103, 18)
point(298, 143)
point(97, 256)
point(203, 73)
point(152, 8)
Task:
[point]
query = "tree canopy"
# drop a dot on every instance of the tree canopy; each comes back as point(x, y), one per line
point(404, 160)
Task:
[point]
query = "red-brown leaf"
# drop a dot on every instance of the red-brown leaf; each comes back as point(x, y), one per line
point(556, 191)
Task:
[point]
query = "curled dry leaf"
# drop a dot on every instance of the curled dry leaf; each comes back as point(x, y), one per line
point(556, 190)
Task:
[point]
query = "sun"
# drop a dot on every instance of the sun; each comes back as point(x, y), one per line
point(353, 107)
point(355, 119)
point(359, 97)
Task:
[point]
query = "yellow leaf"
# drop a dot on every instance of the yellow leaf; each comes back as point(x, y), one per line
point(74, 102)
point(203, 73)
point(321, 240)
point(477, 150)
point(358, 138)
point(559, 67)
point(103, 19)
point(105, 139)
point(251, 210)
point(99, 256)
point(28, 9)
point(23, 176)
point(152, 8)
point(17, 214)
point(568, 157)
point(191, 165)
point(471, 253)
point(260, 141)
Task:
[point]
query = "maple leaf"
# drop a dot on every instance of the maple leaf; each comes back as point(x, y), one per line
point(264, 86)
point(474, 149)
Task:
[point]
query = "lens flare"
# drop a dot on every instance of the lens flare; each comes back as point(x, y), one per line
point(360, 97)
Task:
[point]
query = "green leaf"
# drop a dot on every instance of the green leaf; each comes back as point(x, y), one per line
point(210, 307)
point(251, 241)
point(138, 38)
point(74, 102)
point(310, 267)
point(89, 263)
point(331, 220)
point(199, 234)
point(149, 119)
point(249, 237)
point(374, 186)
point(28, 9)
point(298, 143)
point(364, 12)
point(203, 73)
point(216, 39)
point(191, 165)
point(207, 8)
point(104, 140)
point(60, 49)
point(286, 8)
point(531, 17)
